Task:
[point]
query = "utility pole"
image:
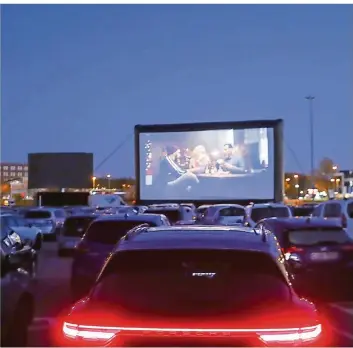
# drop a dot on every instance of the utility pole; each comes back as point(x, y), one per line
point(310, 99)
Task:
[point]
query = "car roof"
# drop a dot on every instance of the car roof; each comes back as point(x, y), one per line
point(129, 217)
point(266, 205)
point(304, 222)
point(225, 205)
point(195, 237)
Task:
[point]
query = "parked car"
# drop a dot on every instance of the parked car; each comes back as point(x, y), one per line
point(73, 230)
point(29, 234)
point(49, 220)
point(174, 212)
point(224, 214)
point(340, 210)
point(26, 239)
point(200, 211)
point(17, 300)
point(257, 212)
point(319, 254)
point(98, 241)
point(225, 288)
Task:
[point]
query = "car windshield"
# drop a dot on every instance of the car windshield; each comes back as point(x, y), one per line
point(258, 214)
point(319, 236)
point(234, 281)
point(172, 215)
point(76, 226)
point(37, 215)
point(109, 232)
point(303, 211)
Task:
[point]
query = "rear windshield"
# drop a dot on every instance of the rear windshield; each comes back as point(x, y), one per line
point(231, 211)
point(258, 214)
point(37, 215)
point(76, 226)
point(234, 280)
point(302, 211)
point(317, 237)
point(109, 232)
point(172, 215)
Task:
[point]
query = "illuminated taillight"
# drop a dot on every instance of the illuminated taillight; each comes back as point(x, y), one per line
point(344, 221)
point(88, 332)
point(292, 249)
point(292, 336)
point(347, 247)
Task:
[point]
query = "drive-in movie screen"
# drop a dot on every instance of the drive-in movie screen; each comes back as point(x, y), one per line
point(235, 164)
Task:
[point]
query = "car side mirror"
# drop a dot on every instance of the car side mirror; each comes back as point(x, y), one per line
point(18, 246)
point(246, 224)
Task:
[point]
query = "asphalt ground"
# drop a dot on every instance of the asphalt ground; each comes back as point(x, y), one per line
point(53, 298)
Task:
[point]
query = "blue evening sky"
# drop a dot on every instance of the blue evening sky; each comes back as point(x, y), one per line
point(79, 77)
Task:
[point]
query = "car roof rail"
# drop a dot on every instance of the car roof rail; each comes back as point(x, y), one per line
point(136, 230)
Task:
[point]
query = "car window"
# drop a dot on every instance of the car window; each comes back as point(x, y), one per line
point(165, 221)
point(319, 236)
point(210, 211)
point(59, 213)
point(317, 211)
point(172, 215)
point(109, 232)
point(350, 210)
point(76, 226)
point(258, 214)
point(234, 281)
point(232, 211)
point(332, 210)
point(302, 211)
point(37, 214)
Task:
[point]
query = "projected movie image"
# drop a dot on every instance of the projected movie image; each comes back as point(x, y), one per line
point(207, 165)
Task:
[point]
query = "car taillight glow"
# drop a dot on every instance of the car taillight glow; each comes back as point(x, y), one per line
point(347, 247)
point(295, 335)
point(290, 335)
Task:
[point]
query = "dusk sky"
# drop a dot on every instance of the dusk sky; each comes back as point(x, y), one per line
point(79, 77)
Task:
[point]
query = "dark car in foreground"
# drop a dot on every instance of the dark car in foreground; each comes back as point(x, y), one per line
point(17, 300)
point(193, 286)
point(98, 241)
point(319, 253)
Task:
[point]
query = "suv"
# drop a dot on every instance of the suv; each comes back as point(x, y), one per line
point(17, 300)
point(193, 286)
point(257, 212)
point(174, 212)
point(224, 214)
point(341, 210)
point(49, 220)
point(98, 241)
point(319, 256)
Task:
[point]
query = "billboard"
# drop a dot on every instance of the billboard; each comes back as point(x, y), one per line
point(60, 170)
point(213, 162)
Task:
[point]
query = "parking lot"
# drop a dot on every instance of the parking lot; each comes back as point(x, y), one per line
point(53, 297)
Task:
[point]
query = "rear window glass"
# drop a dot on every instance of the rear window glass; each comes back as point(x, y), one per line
point(302, 211)
point(172, 215)
point(350, 210)
point(231, 211)
point(332, 210)
point(258, 214)
point(60, 213)
point(76, 226)
point(234, 281)
point(317, 237)
point(37, 215)
point(109, 232)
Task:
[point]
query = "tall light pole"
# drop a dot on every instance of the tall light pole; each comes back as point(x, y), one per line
point(310, 99)
point(108, 177)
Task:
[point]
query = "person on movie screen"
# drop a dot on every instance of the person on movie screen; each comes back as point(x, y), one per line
point(171, 175)
point(199, 160)
point(235, 159)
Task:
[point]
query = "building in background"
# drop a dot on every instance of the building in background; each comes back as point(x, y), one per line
point(12, 170)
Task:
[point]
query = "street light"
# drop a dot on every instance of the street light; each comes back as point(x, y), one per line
point(108, 177)
point(94, 178)
point(310, 99)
